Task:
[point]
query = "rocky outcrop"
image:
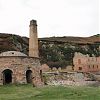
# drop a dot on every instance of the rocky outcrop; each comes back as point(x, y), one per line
point(10, 42)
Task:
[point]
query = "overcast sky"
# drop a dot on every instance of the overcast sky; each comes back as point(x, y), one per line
point(54, 17)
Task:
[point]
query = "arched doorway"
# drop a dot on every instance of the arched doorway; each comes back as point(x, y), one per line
point(7, 76)
point(29, 76)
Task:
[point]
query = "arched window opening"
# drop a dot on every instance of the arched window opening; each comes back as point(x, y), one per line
point(41, 75)
point(80, 68)
point(97, 66)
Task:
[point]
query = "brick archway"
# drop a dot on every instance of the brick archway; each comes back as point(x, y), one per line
point(29, 76)
point(7, 76)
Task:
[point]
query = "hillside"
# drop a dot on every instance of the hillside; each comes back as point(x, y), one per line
point(77, 40)
point(10, 42)
point(55, 51)
point(59, 51)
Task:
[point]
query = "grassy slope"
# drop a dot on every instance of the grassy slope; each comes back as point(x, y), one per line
point(27, 92)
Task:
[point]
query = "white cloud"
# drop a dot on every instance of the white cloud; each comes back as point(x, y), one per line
point(54, 17)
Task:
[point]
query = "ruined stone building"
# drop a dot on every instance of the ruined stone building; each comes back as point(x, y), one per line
point(81, 63)
point(18, 68)
point(85, 63)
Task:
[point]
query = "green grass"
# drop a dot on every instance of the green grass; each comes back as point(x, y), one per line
point(27, 92)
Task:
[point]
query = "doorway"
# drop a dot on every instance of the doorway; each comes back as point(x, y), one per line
point(29, 76)
point(7, 76)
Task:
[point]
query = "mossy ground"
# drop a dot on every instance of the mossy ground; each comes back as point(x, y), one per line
point(27, 92)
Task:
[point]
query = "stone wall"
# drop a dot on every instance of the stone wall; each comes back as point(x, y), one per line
point(69, 78)
point(45, 68)
point(19, 66)
point(85, 63)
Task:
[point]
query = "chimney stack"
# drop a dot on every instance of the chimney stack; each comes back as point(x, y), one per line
point(33, 39)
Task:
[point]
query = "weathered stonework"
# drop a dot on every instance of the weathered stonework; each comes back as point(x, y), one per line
point(18, 68)
point(12, 53)
point(84, 63)
point(45, 68)
point(33, 40)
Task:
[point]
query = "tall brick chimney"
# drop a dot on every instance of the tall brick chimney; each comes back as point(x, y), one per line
point(33, 39)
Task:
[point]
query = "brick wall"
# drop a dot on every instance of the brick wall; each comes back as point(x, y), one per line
point(85, 63)
point(19, 66)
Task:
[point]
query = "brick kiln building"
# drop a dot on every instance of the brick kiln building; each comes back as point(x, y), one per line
point(84, 63)
point(18, 68)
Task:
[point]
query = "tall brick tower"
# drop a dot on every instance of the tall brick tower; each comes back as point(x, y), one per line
point(33, 39)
